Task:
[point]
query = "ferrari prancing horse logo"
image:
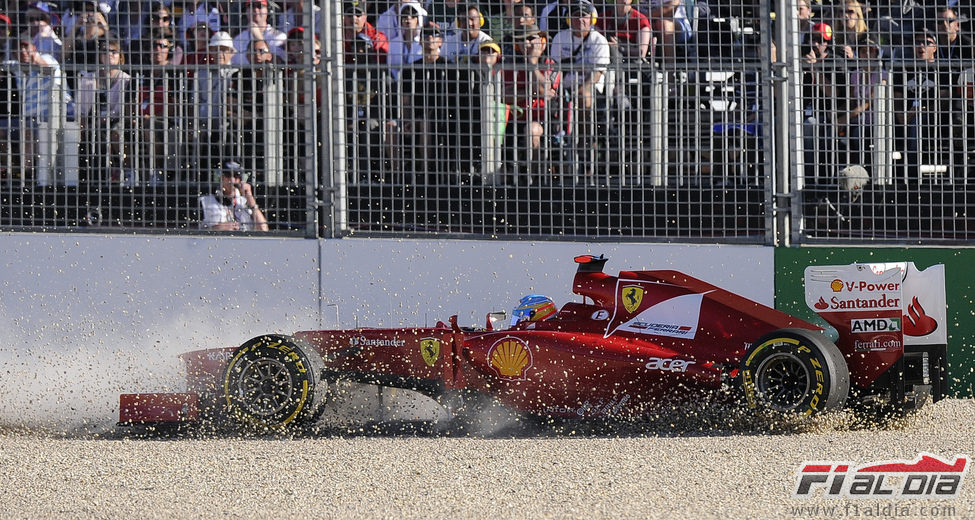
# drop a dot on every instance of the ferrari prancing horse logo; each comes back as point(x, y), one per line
point(430, 350)
point(632, 296)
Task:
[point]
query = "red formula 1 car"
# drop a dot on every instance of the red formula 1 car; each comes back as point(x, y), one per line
point(634, 341)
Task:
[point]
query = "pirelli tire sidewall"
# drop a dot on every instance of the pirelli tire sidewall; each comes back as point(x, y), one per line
point(274, 382)
point(809, 359)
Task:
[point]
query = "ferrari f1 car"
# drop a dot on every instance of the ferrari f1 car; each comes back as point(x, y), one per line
point(636, 340)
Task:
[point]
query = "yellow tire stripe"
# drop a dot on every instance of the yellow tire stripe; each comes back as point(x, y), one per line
point(768, 343)
point(301, 405)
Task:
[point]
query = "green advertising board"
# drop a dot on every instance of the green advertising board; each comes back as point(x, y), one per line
point(790, 264)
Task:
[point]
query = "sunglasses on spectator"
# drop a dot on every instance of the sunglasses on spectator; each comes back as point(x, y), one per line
point(949, 20)
point(161, 18)
point(262, 51)
point(160, 45)
point(927, 43)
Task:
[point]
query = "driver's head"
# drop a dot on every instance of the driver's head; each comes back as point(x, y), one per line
point(533, 307)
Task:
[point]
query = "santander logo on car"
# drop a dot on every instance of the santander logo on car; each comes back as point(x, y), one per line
point(886, 291)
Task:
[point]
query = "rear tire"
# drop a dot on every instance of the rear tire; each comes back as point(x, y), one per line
point(274, 382)
point(795, 371)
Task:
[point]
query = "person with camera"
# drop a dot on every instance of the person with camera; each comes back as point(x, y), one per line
point(232, 207)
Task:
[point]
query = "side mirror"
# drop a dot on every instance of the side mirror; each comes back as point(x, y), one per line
point(495, 320)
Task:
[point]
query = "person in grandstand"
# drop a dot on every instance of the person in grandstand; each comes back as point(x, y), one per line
point(427, 90)
point(232, 207)
point(39, 80)
point(531, 89)
point(822, 78)
point(81, 44)
point(363, 43)
point(159, 18)
point(390, 21)
point(216, 91)
point(491, 108)
point(161, 94)
point(41, 21)
point(672, 27)
point(585, 52)
point(922, 107)
point(953, 44)
point(295, 16)
point(197, 39)
point(585, 48)
point(522, 16)
point(852, 38)
point(259, 28)
point(107, 106)
point(407, 46)
point(464, 45)
point(627, 30)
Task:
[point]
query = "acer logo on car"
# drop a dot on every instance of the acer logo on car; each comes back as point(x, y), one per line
point(668, 364)
point(223, 355)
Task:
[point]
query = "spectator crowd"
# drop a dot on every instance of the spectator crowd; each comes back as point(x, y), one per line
point(507, 91)
point(155, 91)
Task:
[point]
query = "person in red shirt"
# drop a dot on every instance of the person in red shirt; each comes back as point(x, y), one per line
point(363, 43)
point(628, 30)
point(197, 43)
point(530, 87)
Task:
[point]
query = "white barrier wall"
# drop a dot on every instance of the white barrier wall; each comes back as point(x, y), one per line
point(86, 317)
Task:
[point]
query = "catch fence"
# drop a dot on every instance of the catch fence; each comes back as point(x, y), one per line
point(727, 140)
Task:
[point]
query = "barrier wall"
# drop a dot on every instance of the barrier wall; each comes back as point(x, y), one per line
point(960, 291)
point(85, 317)
point(101, 284)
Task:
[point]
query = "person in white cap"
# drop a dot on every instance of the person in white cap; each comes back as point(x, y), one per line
point(216, 97)
point(407, 47)
point(389, 21)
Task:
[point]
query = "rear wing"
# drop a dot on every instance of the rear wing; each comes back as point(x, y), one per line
point(887, 311)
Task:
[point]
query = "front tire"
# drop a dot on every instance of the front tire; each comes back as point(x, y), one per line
point(795, 371)
point(274, 382)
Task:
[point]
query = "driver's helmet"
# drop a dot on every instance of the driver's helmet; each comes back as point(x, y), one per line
point(533, 307)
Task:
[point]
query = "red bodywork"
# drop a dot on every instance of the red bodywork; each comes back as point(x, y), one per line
point(638, 338)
